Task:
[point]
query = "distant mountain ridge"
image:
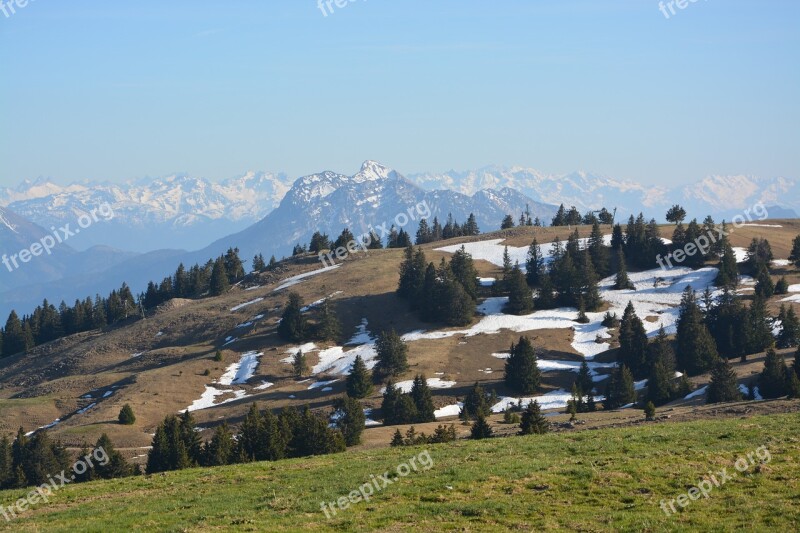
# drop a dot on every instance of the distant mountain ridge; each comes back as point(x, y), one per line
point(177, 211)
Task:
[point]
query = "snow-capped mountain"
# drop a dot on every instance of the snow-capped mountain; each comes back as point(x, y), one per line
point(178, 211)
point(375, 196)
point(720, 196)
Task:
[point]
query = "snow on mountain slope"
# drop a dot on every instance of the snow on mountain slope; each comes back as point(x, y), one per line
point(721, 196)
point(173, 212)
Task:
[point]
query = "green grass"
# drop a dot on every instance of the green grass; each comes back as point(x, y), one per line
point(588, 481)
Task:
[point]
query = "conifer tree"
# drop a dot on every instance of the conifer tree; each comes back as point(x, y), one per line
point(794, 255)
point(584, 383)
point(649, 411)
point(622, 282)
point(632, 342)
point(250, 435)
point(463, 271)
point(533, 422)
point(481, 429)
point(782, 286)
point(299, 364)
point(258, 263)
point(724, 386)
point(397, 439)
point(759, 330)
point(329, 328)
point(115, 467)
point(620, 389)
point(534, 265)
point(545, 299)
point(349, 419)
point(13, 336)
point(790, 328)
point(292, 327)
point(392, 355)
point(520, 297)
point(412, 276)
point(764, 285)
point(598, 251)
point(521, 370)
point(219, 278)
point(773, 382)
point(423, 400)
point(220, 450)
point(696, 349)
point(508, 222)
point(728, 268)
point(126, 416)
point(359, 380)
point(476, 403)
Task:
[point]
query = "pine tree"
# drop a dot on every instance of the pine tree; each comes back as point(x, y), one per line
point(620, 389)
point(508, 222)
point(759, 329)
point(115, 466)
point(782, 286)
point(520, 298)
point(299, 365)
point(126, 416)
point(349, 419)
point(534, 265)
point(392, 355)
point(794, 255)
point(220, 450)
point(584, 383)
point(463, 271)
point(545, 298)
point(728, 267)
point(292, 327)
point(412, 275)
point(622, 282)
point(696, 349)
point(258, 263)
point(359, 380)
point(397, 439)
point(772, 382)
point(598, 250)
point(790, 328)
point(521, 370)
point(329, 328)
point(219, 278)
point(764, 285)
point(250, 434)
point(723, 387)
point(632, 342)
point(533, 422)
point(481, 429)
point(423, 400)
point(13, 336)
point(476, 403)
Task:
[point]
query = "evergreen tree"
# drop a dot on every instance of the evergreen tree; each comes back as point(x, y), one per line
point(520, 298)
point(782, 286)
point(292, 327)
point(772, 382)
point(598, 251)
point(759, 329)
point(764, 285)
point(545, 298)
point(471, 226)
point(219, 278)
point(696, 349)
point(423, 400)
point(126, 416)
point(632, 342)
point(476, 403)
point(13, 336)
point(508, 222)
point(359, 380)
point(463, 271)
point(620, 389)
point(724, 386)
point(299, 364)
point(258, 263)
point(649, 411)
point(392, 355)
point(424, 235)
point(617, 239)
point(329, 328)
point(115, 467)
point(622, 282)
point(533, 422)
point(481, 429)
point(250, 435)
point(521, 371)
point(728, 267)
point(397, 439)
point(534, 265)
point(790, 328)
point(794, 255)
point(676, 214)
point(349, 419)
point(319, 242)
point(220, 450)
point(412, 276)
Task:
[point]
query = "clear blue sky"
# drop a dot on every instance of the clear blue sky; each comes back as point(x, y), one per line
point(118, 90)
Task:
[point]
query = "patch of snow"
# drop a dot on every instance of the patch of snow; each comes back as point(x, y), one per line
point(264, 386)
point(763, 225)
point(369, 421)
point(487, 282)
point(242, 306)
point(781, 262)
point(160, 333)
point(450, 410)
point(294, 280)
point(253, 288)
point(795, 298)
point(699, 392)
point(740, 253)
point(321, 384)
point(108, 393)
point(318, 302)
point(81, 411)
point(238, 373)
point(434, 383)
point(556, 399)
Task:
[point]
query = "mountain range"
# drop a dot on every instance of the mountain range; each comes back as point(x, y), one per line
point(158, 223)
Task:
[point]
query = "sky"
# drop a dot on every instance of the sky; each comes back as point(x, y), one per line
point(100, 90)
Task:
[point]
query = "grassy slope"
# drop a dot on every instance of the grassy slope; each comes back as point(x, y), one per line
point(593, 480)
